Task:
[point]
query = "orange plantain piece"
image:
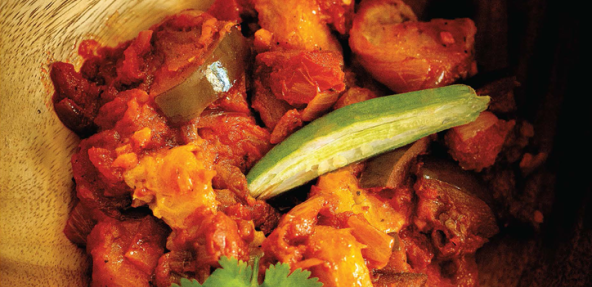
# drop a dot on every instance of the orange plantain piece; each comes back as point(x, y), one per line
point(379, 245)
point(341, 254)
point(174, 183)
point(296, 24)
point(343, 186)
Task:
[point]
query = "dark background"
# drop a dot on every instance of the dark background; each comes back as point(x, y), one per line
point(541, 43)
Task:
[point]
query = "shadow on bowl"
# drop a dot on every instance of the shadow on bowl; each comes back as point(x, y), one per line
point(537, 41)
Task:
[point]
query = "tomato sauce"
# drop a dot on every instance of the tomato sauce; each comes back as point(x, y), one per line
point(161, 199)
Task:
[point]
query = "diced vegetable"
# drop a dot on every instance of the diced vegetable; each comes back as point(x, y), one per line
point(450, 210)
point(406, 55)
point(388, 279)
point(338, 256)
point(448, 171)
point(379, 245)
point(476, 145)
point(359, 131)
point(216, 75)
point(390, 169)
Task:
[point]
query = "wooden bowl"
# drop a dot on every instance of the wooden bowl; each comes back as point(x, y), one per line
point(36, 189)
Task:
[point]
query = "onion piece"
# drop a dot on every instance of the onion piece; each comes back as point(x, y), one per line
point(220, 71)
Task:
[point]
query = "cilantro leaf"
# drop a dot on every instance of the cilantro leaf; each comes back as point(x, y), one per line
point(237, 273)
point(279, 275)
point(234, 273)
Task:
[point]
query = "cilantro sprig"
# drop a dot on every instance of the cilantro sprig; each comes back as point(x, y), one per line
point(237, 273)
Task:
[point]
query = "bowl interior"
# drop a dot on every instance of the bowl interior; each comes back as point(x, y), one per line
point(36, 189)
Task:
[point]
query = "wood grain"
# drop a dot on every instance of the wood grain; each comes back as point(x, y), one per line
point(36, 189)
